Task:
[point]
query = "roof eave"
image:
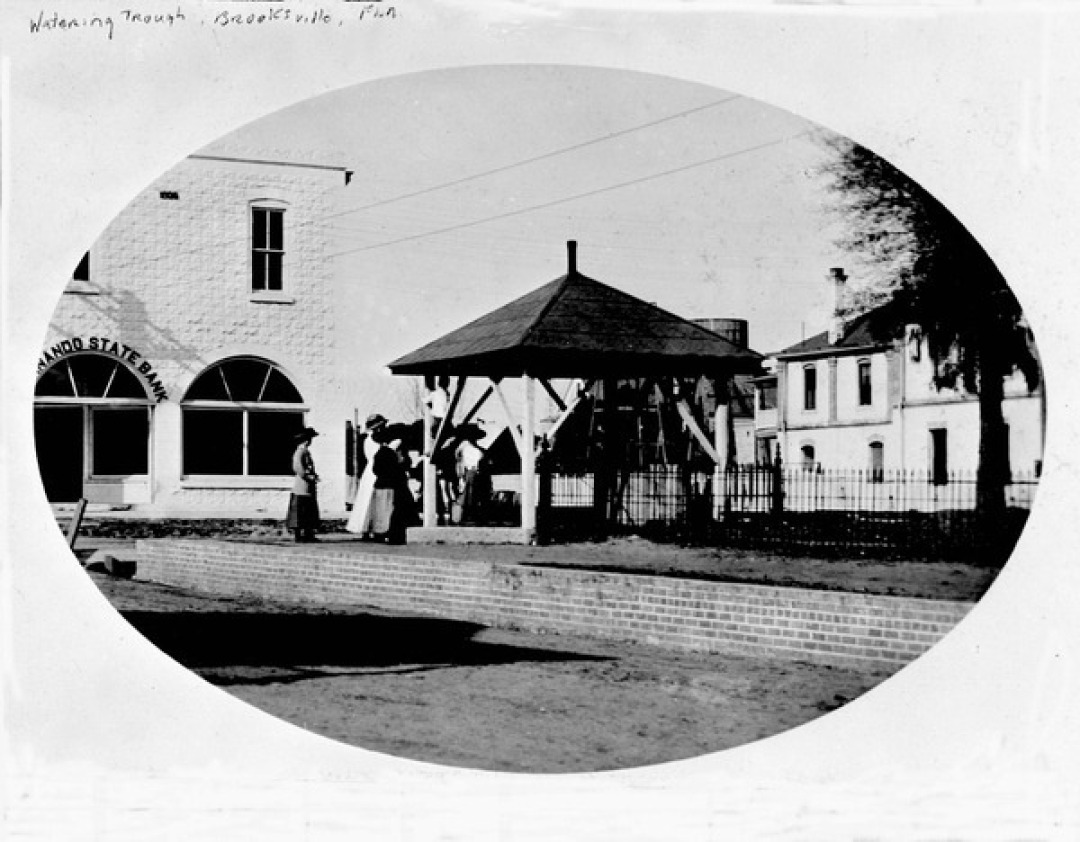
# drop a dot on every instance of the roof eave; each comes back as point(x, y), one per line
point(835, 351)
point(575, 363)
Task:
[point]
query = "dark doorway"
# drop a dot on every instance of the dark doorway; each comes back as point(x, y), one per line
point(939, 456)
point(58, 436)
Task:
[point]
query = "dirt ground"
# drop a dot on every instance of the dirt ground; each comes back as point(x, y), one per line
point(460, 694)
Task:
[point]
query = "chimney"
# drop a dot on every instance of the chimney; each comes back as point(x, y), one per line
point(836, 328)
point(571, 257)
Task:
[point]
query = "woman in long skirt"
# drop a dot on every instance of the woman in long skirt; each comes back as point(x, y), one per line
point(359, 521)
point(303, 515)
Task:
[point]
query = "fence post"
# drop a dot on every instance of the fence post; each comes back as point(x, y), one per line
point(352, 480)
point(777, 507)
point(731, 480)
point(76, 522)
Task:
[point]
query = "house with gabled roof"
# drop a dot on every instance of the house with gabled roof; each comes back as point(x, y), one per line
point(862, 395)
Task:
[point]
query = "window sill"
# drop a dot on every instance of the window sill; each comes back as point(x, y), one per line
point(81, 288)
point(272, 298)
point(276, 483)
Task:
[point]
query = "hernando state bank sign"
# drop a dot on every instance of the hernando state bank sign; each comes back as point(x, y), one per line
point(104, 345)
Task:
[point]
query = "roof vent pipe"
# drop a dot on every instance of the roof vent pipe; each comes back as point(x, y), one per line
point(571, 257)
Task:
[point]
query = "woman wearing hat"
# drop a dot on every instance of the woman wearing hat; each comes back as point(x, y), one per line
point(360, 519)
point(303, 516)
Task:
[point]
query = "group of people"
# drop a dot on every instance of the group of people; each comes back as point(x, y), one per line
point(384, 505)
point(390, 468)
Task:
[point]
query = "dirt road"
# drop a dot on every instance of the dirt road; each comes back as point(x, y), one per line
point(463, 695)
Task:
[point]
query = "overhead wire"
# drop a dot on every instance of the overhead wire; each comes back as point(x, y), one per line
point(496, 170)
point(576, 197)
point(464, 179)
point(534, 159)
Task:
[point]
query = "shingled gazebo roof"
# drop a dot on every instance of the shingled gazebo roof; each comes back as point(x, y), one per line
point(575, 326)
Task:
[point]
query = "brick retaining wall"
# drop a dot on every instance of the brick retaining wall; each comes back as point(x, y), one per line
point(821, 626)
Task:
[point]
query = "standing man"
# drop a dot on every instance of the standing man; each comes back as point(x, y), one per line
point(303, 516)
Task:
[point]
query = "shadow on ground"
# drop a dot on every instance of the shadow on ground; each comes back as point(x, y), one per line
point(251, 648)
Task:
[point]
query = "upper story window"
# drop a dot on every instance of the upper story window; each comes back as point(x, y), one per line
point(866, 387)
point(809, 387)
point(267, 248)
point(82, 271)
point(914, 340)
point(766, 393)
point(80, 278)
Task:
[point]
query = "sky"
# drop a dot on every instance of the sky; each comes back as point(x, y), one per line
point(469, 182)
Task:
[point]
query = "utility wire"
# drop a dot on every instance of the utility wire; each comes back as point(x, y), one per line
point(473, 177)
point(543, 157)
point(577, 196)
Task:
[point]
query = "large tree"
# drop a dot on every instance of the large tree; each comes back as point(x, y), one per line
point(942, 280)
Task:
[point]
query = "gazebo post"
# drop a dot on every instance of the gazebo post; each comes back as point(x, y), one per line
point(722, 441)
point(528, 461)
point(430, 491)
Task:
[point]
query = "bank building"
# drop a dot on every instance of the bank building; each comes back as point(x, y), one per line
point(193, 341)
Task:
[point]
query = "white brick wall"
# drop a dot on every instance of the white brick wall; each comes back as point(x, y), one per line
point(172, 280)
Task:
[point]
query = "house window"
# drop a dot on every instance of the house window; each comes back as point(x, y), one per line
point(809, 460)
point(267, 249)
point(877, 461)
point(809, 387)
point(239, 417)
point(939, 456)
point(766, 396)
point(914, 343)
point(866, 389)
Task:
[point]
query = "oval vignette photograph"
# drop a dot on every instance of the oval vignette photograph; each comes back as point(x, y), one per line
point(539, 418)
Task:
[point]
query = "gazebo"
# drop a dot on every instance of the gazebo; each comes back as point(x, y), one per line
point(574, 328)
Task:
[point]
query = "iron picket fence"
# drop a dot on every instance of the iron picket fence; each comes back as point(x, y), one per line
point(798, 510)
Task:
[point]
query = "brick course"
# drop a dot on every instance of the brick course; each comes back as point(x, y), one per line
point(819, 626)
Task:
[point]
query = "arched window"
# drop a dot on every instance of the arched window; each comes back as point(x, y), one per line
point(809, 457)
point(877, 461)
point(89, 377)
point(91, 422)
point(239, 418)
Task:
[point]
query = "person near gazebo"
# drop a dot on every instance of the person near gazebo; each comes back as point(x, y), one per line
point(303, 514)
point(359, 521)
point(392, 504)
